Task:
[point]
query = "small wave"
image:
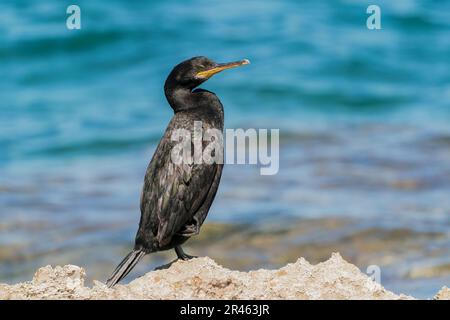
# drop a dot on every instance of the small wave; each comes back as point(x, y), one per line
point(84, 41)
point(96, 146)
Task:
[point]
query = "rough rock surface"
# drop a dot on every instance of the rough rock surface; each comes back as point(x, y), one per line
point(443, 294)
point(202, 278)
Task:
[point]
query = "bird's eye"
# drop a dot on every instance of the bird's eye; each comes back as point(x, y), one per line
point(202, 66)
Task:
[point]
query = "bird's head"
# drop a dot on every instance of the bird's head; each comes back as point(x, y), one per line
point(193, 72)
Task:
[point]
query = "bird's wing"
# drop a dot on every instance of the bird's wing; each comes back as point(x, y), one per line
point(172, 193)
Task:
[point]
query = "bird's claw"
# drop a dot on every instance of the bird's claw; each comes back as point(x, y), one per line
point(183, 255)
point(186, 257)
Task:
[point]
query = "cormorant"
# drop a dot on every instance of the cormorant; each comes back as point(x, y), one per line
point(176, 198)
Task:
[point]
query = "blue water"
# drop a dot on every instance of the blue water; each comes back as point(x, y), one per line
point(364, 118)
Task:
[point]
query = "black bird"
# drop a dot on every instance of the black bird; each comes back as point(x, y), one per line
point(176, 198)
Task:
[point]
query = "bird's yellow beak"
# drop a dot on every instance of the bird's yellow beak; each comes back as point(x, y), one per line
point(220, 67)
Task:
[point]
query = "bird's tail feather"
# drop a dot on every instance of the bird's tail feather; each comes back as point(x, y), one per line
point(125, 267)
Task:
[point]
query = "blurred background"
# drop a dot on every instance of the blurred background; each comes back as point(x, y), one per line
point(364, 119)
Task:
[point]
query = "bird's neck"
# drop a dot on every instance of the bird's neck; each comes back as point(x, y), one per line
point(179, 98)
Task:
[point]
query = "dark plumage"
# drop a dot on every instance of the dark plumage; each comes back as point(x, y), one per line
point(176, 198)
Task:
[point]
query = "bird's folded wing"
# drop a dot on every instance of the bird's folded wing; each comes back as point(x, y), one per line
point(172, 194)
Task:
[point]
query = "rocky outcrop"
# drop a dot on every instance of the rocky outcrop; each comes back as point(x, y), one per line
point(443, 294)
point(202, 278)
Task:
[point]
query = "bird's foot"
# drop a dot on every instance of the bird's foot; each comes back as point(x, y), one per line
point(183, 255)
point(187, 257)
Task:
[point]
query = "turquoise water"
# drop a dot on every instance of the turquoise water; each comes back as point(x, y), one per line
point(364, 118)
